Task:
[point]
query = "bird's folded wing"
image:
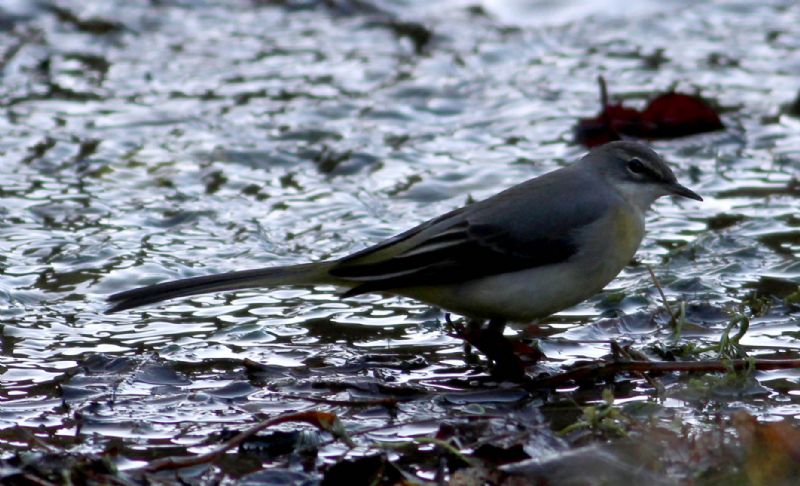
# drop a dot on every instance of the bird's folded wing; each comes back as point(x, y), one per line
point(470, 243)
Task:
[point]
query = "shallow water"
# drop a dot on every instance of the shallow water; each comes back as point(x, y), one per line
point(147, 142)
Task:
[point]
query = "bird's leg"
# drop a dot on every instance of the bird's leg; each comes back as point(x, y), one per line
point(490, 341)
point(496, 325)
point(500, 351)
point(469, 333)
point(464, 332)
point(474, 325)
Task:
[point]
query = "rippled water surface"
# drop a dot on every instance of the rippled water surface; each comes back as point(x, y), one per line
point(144, 141)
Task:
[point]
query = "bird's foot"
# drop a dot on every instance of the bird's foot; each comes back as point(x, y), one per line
point(460, 330)
point(490, 341)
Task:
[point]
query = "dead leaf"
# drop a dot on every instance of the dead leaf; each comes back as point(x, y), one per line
point(668, 115)
point(772, 450)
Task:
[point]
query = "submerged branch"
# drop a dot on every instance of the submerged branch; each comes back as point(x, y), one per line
point(389, 402)
point(322, 420)
point(596, 370)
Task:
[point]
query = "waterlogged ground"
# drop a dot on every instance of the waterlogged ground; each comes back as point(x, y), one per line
point(143, 141)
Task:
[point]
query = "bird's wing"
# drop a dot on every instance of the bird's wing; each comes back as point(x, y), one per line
point(527, 226)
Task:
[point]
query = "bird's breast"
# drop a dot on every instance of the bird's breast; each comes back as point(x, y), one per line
point(608, 244)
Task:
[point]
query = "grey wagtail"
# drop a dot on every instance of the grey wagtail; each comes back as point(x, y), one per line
point(525, 253)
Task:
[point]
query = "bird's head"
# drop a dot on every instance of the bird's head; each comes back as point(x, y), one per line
point(637, 172)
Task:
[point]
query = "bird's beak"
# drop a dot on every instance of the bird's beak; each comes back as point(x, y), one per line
point(679, 190)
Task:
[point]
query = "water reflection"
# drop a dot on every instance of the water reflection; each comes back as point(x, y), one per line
point(198, 138)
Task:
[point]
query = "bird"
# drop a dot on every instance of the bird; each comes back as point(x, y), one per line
point(525, 253)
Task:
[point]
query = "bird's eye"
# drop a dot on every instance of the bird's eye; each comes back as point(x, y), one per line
point(636, 166)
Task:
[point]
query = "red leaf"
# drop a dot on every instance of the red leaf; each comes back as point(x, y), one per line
point(677, 115)
point(666, 116)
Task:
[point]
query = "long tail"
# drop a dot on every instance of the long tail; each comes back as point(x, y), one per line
point(303, 274)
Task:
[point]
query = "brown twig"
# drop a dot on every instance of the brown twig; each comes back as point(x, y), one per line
point(390, 402)
point(601, 81)
point(595, 370)
point(398, 425)
point(322, 420)
point(36, 481)
point(36, 441)
point(672, 319)
point(654, 382)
